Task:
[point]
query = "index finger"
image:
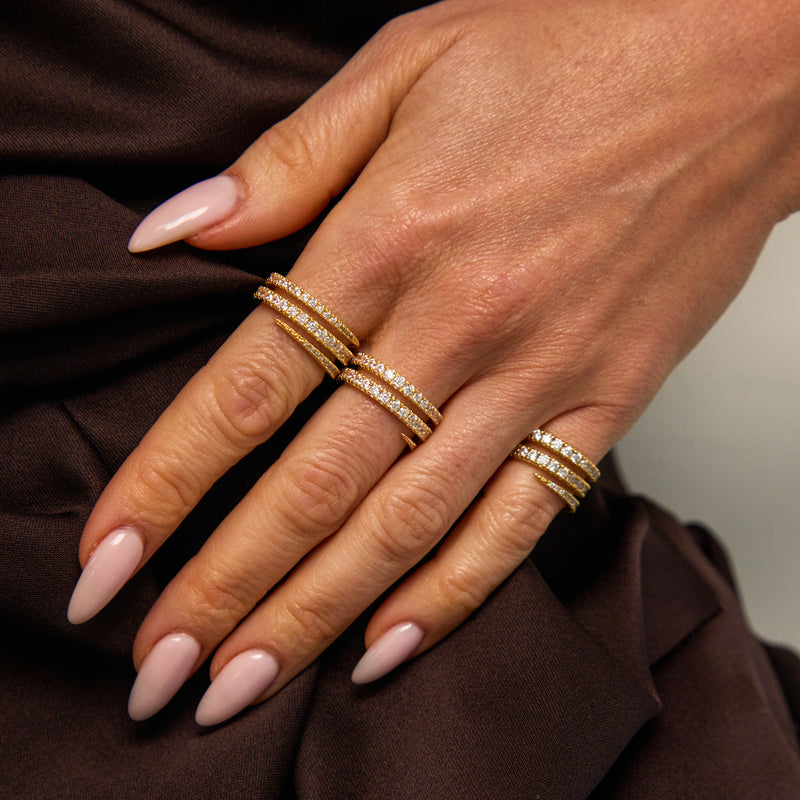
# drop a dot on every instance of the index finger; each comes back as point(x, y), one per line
point(237, 401)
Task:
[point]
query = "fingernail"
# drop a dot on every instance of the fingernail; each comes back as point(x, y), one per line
point(198, 207)
point(162, 673)
point(240, 682)
point(392, 649)
point(112, 563)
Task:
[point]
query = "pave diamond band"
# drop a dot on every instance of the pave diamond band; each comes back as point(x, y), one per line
point(311, 302)
point(381, 395)
point(307, 317)
point(554, 463)
point(314, 352)
point(393, 379)
point(396, 394)
point(569, 498)
point(568, 453)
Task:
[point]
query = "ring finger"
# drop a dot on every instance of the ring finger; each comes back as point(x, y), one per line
point(388, 534)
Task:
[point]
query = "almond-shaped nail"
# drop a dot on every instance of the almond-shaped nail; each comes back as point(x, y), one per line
point(239, 683)
point(114, 560)
point(162, 673)
point(392, 649)
point(189, 212)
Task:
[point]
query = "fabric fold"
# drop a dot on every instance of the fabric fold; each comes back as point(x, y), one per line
point(614, 663)
point(536, 696)
point(515, 702)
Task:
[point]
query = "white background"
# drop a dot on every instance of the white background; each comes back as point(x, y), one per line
point(720, 444)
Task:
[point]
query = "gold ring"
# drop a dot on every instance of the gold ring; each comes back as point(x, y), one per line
point(391, 391)
point(311, 317)
point(554, 467)
point(536, 458)
point(397, 381)
point(569, 498)
point(314, 352)
point(569, 453)
point(290, 287)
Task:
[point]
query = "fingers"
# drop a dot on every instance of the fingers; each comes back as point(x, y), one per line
point(388, 534)
point(236, 402)
point(288, 176)
point(251, 385)
point(491, 541)
point(305, 497)
point(406, 513)
point(410, 510)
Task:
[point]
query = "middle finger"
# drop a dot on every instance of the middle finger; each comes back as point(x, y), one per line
point(305, 496)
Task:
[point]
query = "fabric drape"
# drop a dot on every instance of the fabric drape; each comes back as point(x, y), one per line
point(614, 663)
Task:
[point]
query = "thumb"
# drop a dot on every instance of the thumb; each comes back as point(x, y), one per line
point(291, 172)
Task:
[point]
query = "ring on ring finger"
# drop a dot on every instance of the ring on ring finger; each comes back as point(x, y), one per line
point(553, 461)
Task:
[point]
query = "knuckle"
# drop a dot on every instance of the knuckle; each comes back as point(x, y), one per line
point(521, 519)
point(412, 519)
point(397, 29)
point(320, 490)
point(288, 144)
point(164, 487)
point(309, 616)
point(386, 238)
point(501, 295)
point(397, 35)
point(249, 400)
point(460, 591)
point(494, 309)
point(217, 600)
point(405, 32)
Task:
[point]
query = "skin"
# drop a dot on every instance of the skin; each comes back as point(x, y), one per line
point(551, 203)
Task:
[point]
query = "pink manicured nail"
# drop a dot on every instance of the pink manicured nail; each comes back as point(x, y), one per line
point(240, 682)
point(163, 672)
point(198, 207)
point(392, 649)
point(112, 563)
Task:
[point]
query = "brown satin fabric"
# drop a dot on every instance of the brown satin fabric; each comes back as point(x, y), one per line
point(614, 663)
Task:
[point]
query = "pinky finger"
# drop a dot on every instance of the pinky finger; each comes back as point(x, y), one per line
point(489, 543)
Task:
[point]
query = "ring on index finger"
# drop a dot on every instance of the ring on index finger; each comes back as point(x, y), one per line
point(309, 316)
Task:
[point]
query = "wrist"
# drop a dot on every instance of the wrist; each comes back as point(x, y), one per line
point(760, 46)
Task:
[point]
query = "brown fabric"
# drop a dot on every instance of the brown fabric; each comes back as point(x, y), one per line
point(615, 663)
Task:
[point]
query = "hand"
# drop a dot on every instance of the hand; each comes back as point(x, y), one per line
point(550, 204)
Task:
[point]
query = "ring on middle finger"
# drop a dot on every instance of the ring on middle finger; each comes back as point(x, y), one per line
point(396, 394)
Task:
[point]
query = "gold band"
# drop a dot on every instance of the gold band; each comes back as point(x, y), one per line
point(314, 352)
point(305, 320)
point(567, 497)
point(567, 483)
point(290, 287)
point(567, 452)
point(393, 379)
point(381, 395)
point(536, 458)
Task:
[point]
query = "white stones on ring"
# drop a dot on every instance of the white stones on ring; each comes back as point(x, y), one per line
point(567, 497)
point(568, 483)
point(397, 381)
point(558, 470)
point(315, 352)
point(380, 394)
point(311, 302)
point(559, 447)
point(303, 320)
